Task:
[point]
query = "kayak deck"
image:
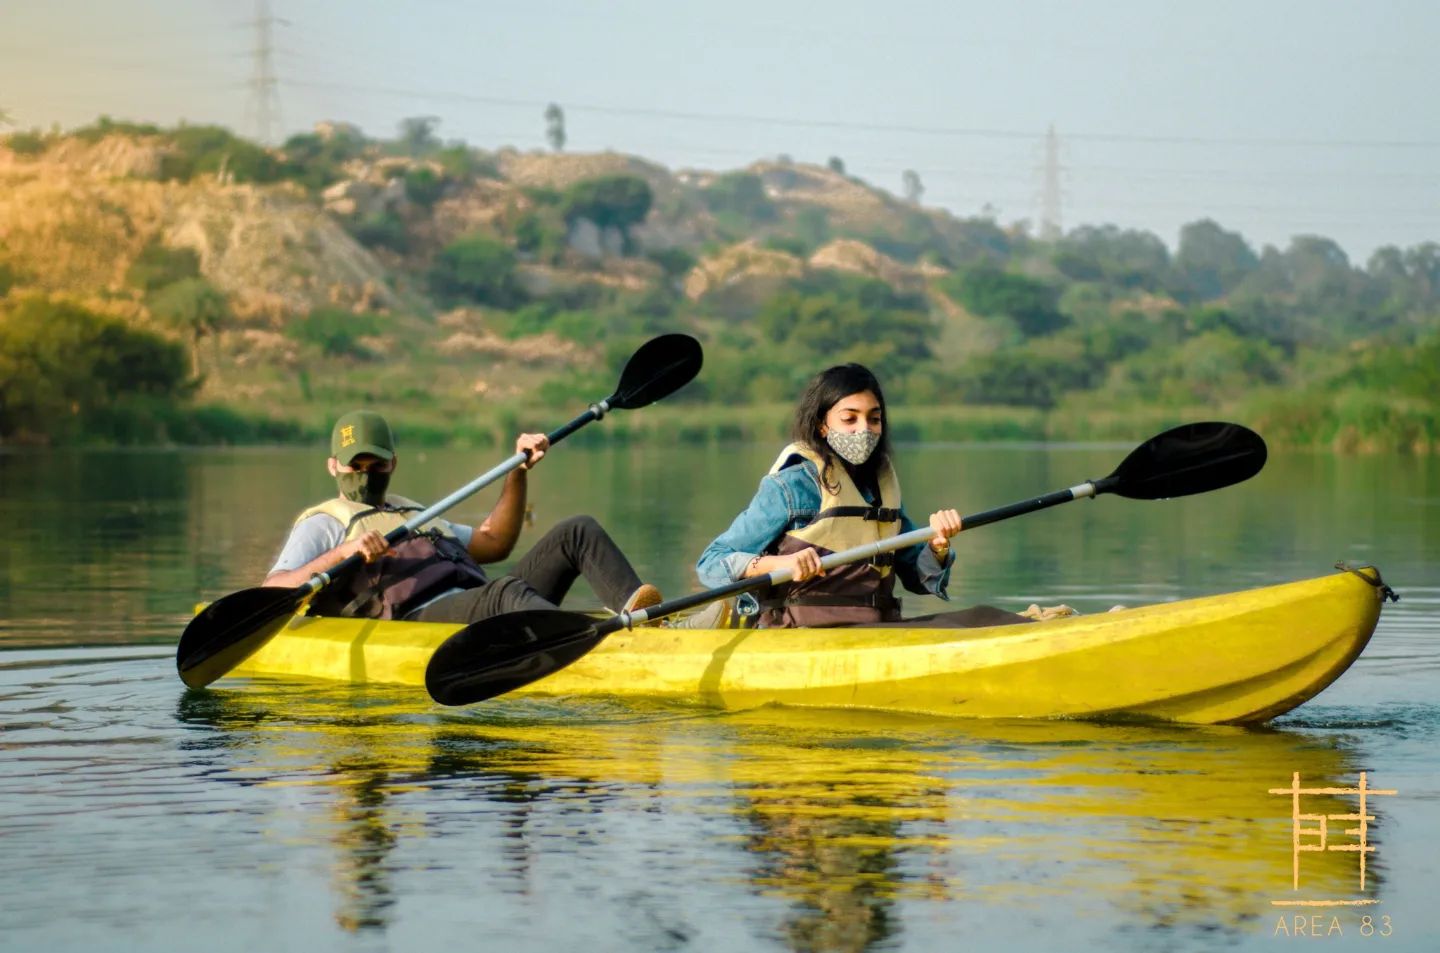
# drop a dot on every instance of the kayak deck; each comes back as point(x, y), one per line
point(1235, 658)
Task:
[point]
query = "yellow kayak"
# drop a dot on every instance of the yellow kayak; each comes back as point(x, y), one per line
point(1236, 658)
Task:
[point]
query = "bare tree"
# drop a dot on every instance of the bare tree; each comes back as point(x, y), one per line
point(555, 127)
point(913, 189)
point(417, 135)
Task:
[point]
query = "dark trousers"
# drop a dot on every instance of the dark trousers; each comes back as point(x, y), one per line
point(971, 618)
point(578, 546)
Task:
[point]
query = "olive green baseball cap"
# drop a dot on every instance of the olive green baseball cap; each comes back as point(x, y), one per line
point(361, 431)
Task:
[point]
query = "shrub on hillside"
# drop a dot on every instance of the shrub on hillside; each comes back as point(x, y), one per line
point(424, 187)
point(740, 193)
point(477, 269)
point(990, 292)
point(612, 201)
point(32, 143)
point(316, 161)
point(382, 230)
point(335, 331)
point(9, 278)
point(157, 266)
point(214, 150)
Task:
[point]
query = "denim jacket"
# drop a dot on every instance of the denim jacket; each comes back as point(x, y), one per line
point(789, 500)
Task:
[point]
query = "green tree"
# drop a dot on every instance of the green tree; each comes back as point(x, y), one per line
point(539, 232)
point(424, 187)
point(461, 163)
point(612, 201)
point(196, 309)
point(477, 269)
point(1033, 375)
point(990, 292)
point(741, 194)
point(840, 317)
point(1311, 285)
point(1212, 261)
point(1122, 257)
point(60, 362)
point(1214, 367)
point(335, 331)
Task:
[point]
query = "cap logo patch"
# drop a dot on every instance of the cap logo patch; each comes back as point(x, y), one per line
point(347, 436)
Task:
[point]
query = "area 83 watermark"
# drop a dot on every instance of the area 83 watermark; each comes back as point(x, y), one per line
point(1314, 916)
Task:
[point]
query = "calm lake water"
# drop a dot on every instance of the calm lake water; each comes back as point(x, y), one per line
point(308, 816)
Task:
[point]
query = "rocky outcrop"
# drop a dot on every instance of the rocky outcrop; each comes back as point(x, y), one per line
point(856, 257)
point(738, 279)
point(742, 264)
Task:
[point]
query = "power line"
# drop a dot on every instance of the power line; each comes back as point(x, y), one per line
point(799, 123)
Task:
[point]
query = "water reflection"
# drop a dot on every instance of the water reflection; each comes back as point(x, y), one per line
point(846, 825)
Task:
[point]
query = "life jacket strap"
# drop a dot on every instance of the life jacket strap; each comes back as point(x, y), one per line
point(382, 508)
point(879, 514)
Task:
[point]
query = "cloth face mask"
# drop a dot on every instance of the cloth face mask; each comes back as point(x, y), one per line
point(366, 487)
point(853, 448)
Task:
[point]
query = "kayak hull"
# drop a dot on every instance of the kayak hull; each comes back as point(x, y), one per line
point(1236, 658)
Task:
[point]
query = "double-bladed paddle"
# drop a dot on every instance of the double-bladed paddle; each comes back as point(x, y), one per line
point(233, 628)
point(499, 654)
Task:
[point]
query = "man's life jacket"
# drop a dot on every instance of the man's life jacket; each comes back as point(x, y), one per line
point(857, 592)
point(429, 563)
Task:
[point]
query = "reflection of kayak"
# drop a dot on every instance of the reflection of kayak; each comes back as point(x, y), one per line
point(1235, 658)
point(804, 806)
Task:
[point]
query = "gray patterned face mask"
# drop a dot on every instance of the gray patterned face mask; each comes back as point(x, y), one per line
point(853, 448)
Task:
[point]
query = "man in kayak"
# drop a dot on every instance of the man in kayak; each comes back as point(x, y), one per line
point(435, 574)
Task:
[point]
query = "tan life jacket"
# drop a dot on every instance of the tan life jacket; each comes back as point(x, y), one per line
point(856, 593)
point(430, 563)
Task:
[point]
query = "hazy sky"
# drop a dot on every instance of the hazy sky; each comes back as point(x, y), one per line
point(1274, 118)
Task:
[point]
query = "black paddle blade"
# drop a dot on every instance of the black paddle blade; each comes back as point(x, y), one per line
point(662, 366)
point(498, 655)
point(1193, 458)
point(231, 629)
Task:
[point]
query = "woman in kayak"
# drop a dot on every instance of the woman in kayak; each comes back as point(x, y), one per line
point(832, 488)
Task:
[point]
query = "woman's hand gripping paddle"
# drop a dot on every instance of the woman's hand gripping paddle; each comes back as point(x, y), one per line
point(234, 627)
point(499, 654)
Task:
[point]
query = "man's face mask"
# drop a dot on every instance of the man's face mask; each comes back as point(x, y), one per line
point(853, 448)
point(364, 486)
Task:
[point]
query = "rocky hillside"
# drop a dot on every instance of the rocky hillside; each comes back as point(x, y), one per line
point(76, 219)
point(75, 216)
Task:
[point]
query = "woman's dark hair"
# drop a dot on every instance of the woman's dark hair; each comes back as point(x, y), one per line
point(824, 391)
